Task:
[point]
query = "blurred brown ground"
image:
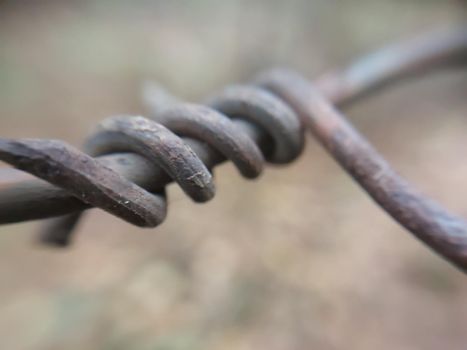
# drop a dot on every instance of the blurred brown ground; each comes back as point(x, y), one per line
point(300, 259)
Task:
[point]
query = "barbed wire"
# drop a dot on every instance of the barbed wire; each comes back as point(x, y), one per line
point(130, 159)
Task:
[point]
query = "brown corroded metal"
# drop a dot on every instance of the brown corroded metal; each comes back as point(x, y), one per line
point(145, 155)
point(262, 126)
point(442, 231)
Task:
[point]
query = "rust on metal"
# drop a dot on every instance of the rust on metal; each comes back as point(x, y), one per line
point(136, 157)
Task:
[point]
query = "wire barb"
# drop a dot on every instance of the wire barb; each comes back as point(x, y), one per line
point(137, 157)
point(161, 140)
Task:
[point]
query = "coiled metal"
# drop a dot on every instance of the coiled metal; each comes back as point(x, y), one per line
point(137, 157)
point(245, 124)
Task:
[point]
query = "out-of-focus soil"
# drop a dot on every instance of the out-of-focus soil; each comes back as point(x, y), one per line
point(299, 259)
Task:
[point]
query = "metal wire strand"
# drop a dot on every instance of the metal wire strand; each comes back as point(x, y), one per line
point(257, 115)
point(444, 232)
point(267, 121)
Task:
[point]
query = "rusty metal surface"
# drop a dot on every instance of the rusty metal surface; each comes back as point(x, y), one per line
point(442, 231)
point(141, 159)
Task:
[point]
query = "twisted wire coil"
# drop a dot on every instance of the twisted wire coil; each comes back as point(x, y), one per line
point(226, 128)
point(246, 124)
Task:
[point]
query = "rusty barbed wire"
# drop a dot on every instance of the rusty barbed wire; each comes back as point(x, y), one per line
point(129, 160)
point(261, 127)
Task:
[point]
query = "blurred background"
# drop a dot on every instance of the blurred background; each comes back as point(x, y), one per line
point(301, 258)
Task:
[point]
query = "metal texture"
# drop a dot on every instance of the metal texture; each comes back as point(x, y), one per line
point(138, 157)
point(261, 127)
